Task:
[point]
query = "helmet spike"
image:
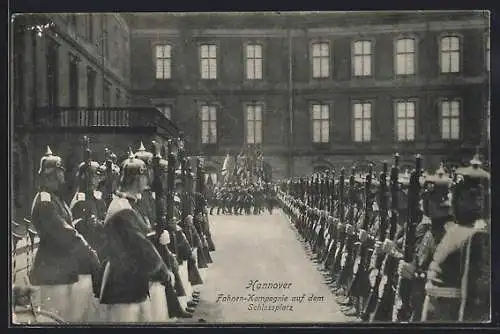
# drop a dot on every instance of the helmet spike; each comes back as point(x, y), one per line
point(475, 162)
point(141, 147)
point(48, 152)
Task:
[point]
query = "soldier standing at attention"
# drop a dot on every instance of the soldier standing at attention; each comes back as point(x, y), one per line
point(132, 261)
point(437, 214)
point(88, 210)
point(458, 278)
point(62, 253)
point(147, 200)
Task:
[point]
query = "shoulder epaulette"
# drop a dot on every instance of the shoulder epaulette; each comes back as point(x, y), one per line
point(45, 196)
point(80, 196)
point(98, 194)
point(117, 204)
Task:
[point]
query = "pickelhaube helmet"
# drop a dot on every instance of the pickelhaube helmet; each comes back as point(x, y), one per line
point(474, 171)
point(50, 162)
point(144, 155)
point(468, 195)
point(436, 199)
point(95, 168)
point(133, 167)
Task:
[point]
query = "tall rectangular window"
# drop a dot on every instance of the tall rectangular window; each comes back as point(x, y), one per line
point(165, 110)
point(320, 123)
point(362, 58)
point(362, 121)
point(450, 119)
point(405, 56)
point(91, 77)
point(104, 36)
point(405, 120)
point(254, 62)
point(487, 52)
point(208, 58)
point(450, 54)
point(163, 62)
point(72, 20)
point(254, 123)
point(118, 97)
point(320, 60)
point(208, 124)
point(73, 81)
point(106, 94)
point(52, 74)
point(89, 27)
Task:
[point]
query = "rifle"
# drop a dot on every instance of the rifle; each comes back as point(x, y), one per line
point(403, 297)
point(346, 259)
point(385, 296)
point(170, 194)
point(330, 251)
point(204, 228)
point(89, 192)
point(359, 280)
point(377, 259)
point(340, 235)
point(157, 188)
point(108, 196)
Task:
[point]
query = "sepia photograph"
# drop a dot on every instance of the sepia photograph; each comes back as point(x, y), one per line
point(292, 168)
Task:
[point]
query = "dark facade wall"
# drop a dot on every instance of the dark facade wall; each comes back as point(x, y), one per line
point(186, 91)
point(30, 91)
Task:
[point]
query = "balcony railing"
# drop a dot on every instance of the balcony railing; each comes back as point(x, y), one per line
point(52, 118)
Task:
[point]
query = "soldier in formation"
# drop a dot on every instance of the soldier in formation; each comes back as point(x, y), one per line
point(238, 200)
point(399, 247)
point(127, 248)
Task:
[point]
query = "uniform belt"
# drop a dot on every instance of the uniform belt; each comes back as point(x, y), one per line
point(442, 292)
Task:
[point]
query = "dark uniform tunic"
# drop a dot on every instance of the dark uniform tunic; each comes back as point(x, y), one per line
point(62, 254)
point(132, 261)
point(82, 209)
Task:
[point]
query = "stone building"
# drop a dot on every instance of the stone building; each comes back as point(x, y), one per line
point(70, 78)
point(312, 91)
point(320, 90)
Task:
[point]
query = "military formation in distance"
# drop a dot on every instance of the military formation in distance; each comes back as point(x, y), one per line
point(399, 247)
point(130, 247)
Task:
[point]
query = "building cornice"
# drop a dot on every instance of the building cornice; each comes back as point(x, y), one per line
point(122, 22)
point(326, 31)
point(88, 52)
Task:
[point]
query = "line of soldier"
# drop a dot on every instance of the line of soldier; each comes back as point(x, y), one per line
point(399, 247)
point(127, 249)
point(238, 200)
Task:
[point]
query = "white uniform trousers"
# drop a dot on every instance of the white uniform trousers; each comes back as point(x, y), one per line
point(183, 274)
point(157, 302)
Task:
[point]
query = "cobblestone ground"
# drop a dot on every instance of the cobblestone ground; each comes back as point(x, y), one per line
point(265, 248)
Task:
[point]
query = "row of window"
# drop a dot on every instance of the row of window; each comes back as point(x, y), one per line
point(404, 115)
point(74, 81)
point(119, 40)
point(405, 58)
